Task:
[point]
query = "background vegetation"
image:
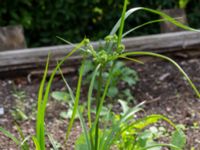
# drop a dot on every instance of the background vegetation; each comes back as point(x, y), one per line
point(43, 20)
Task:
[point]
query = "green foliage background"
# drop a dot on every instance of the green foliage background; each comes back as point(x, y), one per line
point(43, 20)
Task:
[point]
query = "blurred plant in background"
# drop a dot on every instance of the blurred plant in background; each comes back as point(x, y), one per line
point(71, 16)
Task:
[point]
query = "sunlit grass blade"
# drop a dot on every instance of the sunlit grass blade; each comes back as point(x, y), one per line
point(83, 124)
point(142, 123)
point(142, 25)
point(76, 102)
point(170, 19)
point(68, 42)
point(10, 135)
point(128, 13)
point(121, 28)
point(43, 103)
point(39, 103)
point(24, 143)
point(36, 143)
point(85, 131)
point(132, 59)
point(168, 59)
point(166, 17)
point(67, 85)
point(78, 90)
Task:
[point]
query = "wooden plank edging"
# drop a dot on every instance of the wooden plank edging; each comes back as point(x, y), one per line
point(159, 43)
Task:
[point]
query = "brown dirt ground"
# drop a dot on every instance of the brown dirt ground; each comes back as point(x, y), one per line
point(161, 86)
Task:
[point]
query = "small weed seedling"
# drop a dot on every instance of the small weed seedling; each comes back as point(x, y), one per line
point(121, 74)
point(120, 131)
point(19, 111)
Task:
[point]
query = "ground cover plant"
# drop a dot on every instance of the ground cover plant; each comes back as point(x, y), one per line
point(118, 131)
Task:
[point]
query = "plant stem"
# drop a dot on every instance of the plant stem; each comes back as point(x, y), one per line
point(97, 107)
point(104, 94)
point(122, 23)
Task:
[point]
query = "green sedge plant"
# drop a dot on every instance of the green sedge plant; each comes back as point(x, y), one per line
point(111, 134)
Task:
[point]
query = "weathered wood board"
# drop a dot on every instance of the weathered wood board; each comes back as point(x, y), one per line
point(34, 58)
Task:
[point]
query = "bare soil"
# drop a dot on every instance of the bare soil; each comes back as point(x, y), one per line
point(161, 86)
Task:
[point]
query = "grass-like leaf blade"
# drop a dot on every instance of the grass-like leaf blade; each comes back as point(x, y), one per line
point(168, 59)
point(10, 135)
point(163, 15)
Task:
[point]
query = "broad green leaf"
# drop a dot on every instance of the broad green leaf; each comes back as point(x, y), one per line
point(162, 145)
point(131, 112)
point(80, 143)
point(60, 96)
point(104, 111)
point(178, 139)
point(151, 143)
point(146, 139)
point(112, 91)
point(68, 114)
point(130, 80)
point(148, 120)
point(124, 106)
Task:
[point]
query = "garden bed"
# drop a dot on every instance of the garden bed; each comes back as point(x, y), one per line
point(161, 86)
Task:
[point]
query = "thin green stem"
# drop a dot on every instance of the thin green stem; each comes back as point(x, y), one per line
point(83, 124)
point(132, 59)
point(104, 94)
point(76, 102)
point(122, 23)
point(97, 106)
point(142, 25)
